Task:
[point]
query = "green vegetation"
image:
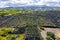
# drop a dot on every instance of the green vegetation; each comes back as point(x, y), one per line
point(4, 35)
point(41, 27)
point(4, 31)
point(43, 18)
point(50, 36)
point(21, 37)
point(13, 19)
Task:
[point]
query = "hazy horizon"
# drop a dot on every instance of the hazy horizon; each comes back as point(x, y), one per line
point(19, 3)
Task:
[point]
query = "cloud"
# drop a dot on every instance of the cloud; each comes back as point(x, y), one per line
point(4, 0)
point(15, 3)
point(53, 3)
point(3, 4)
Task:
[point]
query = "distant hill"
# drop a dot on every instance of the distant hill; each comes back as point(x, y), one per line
point(31, 7)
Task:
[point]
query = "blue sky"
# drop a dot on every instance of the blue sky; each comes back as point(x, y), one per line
point(16, 3)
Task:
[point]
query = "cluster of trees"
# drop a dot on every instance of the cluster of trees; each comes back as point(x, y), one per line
point(4, 34)
point(32, 33)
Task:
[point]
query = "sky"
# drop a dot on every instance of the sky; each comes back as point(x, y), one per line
point(19, 3)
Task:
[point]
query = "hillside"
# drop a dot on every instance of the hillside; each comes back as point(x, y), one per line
point(43, 18)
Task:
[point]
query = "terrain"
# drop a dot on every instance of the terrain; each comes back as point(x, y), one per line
point(27, 24)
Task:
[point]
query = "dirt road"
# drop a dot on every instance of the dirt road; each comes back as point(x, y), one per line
point(54, 30)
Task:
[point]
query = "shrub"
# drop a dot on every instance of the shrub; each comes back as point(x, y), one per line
point(51, 35)
point(48, 38)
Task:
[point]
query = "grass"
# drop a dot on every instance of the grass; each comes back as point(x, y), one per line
point(21, 37)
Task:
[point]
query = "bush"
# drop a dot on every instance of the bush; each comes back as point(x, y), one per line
point(48, 38)
point(51, 35)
